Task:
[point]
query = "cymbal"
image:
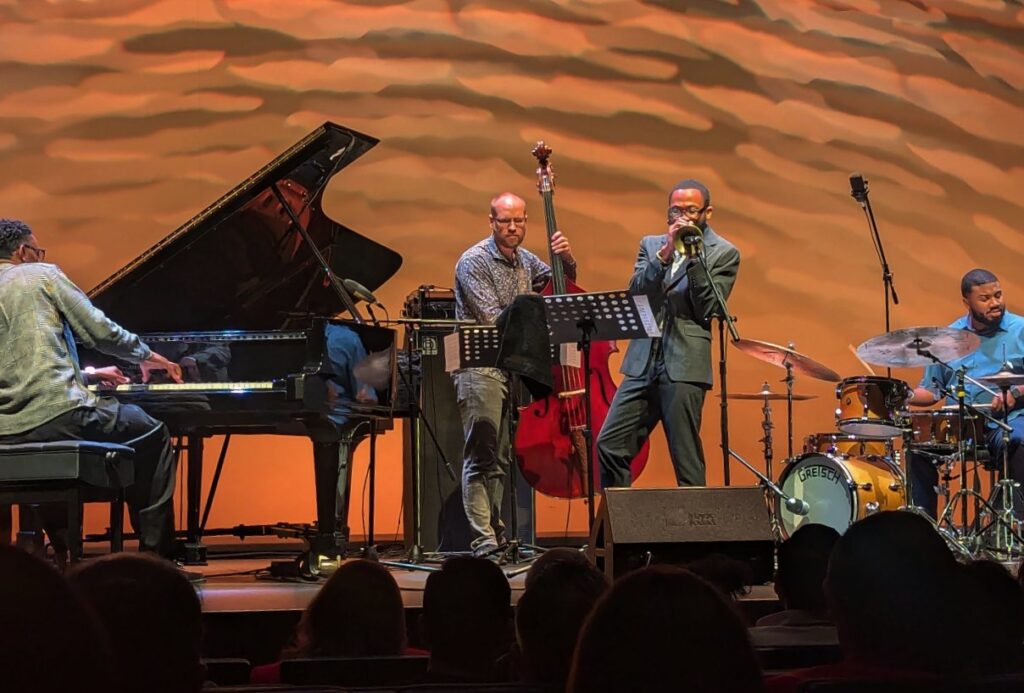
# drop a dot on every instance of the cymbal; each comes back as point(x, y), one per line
point(768, 395)
point(898, 349)
point(1002, 378)
point(780, 356)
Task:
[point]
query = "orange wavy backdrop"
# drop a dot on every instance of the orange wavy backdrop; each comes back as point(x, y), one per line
point(121, 119)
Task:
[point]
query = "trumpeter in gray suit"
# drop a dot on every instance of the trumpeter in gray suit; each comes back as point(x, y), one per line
point(667, 378)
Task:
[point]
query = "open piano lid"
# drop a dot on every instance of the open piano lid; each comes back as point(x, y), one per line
point(240, 265)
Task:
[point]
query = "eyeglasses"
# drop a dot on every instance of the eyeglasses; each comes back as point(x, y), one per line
point(505, 223)
point(40, 252)
point(690, 212)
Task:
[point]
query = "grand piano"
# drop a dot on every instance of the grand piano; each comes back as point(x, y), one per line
point(240, 296)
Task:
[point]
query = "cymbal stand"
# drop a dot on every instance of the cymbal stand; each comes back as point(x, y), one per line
point(789, 404)
point(1004, 518)
point(1008, 540)
point(767, 426)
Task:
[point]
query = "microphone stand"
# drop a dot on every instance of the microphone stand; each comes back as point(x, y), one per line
point(724, 318)
point(796, 506)
point(861, 195)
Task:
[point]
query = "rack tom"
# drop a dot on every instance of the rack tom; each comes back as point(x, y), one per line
point(939, 431)
point(871, 406)
point(837, 443)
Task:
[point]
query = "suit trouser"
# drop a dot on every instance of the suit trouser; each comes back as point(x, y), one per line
point(150, 498)
point(924, 475)
point(483, 407)
point(639, 404)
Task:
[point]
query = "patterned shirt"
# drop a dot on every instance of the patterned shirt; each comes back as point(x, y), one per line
point(40, 308)
point(486, 282)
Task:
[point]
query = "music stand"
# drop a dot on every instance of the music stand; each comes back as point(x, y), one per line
point(599, 316)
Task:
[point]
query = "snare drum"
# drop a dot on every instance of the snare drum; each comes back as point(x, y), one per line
point(871, 406)
point(939, 431)
point(836, 443)
point(839, 490)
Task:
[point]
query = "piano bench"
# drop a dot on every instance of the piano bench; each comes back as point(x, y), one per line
point(71, 472)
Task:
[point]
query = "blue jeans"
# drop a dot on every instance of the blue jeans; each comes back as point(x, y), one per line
point(483, 407)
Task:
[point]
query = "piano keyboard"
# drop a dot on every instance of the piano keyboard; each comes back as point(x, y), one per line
point(189, 387)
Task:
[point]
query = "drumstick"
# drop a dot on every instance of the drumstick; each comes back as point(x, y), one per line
point(862, 361)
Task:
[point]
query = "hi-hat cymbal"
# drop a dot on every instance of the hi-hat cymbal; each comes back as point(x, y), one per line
point(899, 348)
point(780, 356)
point(1002, 378)
point(767, 395)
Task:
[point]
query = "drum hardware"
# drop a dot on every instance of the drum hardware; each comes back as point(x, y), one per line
point(1008, 541)
point(1007, 538)
point(793, 361)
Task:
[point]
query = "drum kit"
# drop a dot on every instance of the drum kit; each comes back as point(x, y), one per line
point(842, 476)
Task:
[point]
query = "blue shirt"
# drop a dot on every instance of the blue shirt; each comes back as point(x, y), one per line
point(1005, 343)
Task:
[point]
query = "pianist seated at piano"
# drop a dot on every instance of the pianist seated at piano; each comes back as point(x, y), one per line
point(44, 394)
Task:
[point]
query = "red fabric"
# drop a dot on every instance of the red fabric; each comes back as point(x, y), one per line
point(791, 681)
point(266, 673)
point(271, 673)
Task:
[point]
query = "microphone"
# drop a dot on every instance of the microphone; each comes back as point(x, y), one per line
point(797, 506)
point(858, 188)
point(360, 291)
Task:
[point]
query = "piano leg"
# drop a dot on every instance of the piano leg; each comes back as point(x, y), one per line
point(331, 535)
point(332, 470)
point(195, 550)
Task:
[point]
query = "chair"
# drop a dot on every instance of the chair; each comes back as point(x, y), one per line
point(71, 472)
point(227, 671)
point(797, 656)
point(354, 671)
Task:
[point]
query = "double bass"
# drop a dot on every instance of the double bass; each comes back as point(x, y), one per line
point(549, 444)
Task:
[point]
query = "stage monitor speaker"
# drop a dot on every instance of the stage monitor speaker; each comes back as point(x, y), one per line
point(443, 524)
point(636, 527)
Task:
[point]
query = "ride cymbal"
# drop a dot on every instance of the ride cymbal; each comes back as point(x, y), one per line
point(781, 356)
point(900, 348)
point(1002, 378)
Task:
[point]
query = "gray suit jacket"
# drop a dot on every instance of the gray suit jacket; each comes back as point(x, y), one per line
point(684, 305)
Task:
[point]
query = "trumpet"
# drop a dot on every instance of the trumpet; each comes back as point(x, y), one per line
point(688, 237)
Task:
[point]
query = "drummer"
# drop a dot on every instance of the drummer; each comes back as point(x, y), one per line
point(1002, 339)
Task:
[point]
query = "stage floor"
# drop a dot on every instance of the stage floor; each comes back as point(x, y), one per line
point(237, 582)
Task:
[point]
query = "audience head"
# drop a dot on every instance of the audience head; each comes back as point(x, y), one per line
point(357, 613)
point(887, 578)
point(466, 617)
point(49, 640)
point(664, 628)
point(803, 563)
point(551, 557)
point(729, 575)
point(997, 608)
point(152, 618)
point(550, 614)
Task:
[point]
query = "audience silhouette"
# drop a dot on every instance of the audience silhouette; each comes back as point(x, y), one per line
point(466, 620)
point(49, 639)
point(663, 628)
point(152, 619)
point(549, 616)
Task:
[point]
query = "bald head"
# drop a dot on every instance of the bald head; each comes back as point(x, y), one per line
point(506, 200)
